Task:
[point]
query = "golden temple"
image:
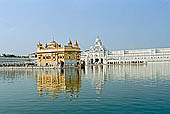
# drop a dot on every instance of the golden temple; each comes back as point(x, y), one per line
point(53, 54)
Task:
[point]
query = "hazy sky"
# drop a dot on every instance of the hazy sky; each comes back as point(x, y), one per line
point(121, 24)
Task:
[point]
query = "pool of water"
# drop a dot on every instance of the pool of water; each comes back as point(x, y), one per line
point(133, 89)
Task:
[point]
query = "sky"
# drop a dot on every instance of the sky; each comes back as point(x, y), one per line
point(121, 24)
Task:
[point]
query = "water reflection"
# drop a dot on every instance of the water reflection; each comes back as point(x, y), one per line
point(104, 89)
point(12, 75)
point(146, 75)
point(97, 75)
point(56, 82)
point(68, 81)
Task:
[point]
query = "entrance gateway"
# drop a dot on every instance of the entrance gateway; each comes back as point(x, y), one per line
point(96, 54)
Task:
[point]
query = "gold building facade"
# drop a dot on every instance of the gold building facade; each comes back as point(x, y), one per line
point(53, 54)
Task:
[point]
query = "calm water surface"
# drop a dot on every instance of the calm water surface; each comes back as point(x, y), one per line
point(142, 89)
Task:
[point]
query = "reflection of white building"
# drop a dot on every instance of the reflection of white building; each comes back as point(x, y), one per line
point(97, 54)
point(97, 75)
point(152, 74)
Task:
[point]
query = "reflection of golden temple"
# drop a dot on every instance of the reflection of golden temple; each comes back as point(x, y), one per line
point(57, 82)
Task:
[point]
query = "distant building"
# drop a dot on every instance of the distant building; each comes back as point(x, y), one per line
point(15, 61)
point(97, 54)
point(139, 56)
point(53, 54)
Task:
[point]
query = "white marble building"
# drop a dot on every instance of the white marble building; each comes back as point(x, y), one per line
point(139, 56)
point(97, 54)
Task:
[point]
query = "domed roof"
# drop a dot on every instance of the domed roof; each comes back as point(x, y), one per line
point(51, 44)
point(76, 44)
point(69, 42)
point(39, 44)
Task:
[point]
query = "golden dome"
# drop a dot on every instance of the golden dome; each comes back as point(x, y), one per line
point(69, 42)
point(52, 44)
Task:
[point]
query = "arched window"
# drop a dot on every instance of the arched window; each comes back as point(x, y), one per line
point(69, 57)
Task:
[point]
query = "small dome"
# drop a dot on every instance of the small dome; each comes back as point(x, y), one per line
point(69, 42)
point(76, 44)
point(39, 44)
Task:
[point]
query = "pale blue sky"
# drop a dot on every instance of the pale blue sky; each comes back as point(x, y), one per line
point(121, 24)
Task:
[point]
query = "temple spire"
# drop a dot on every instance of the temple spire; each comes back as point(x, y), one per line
point(53, 38)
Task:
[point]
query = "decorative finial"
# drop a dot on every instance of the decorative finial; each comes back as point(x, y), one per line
point(98, 37)
point(52, 38)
